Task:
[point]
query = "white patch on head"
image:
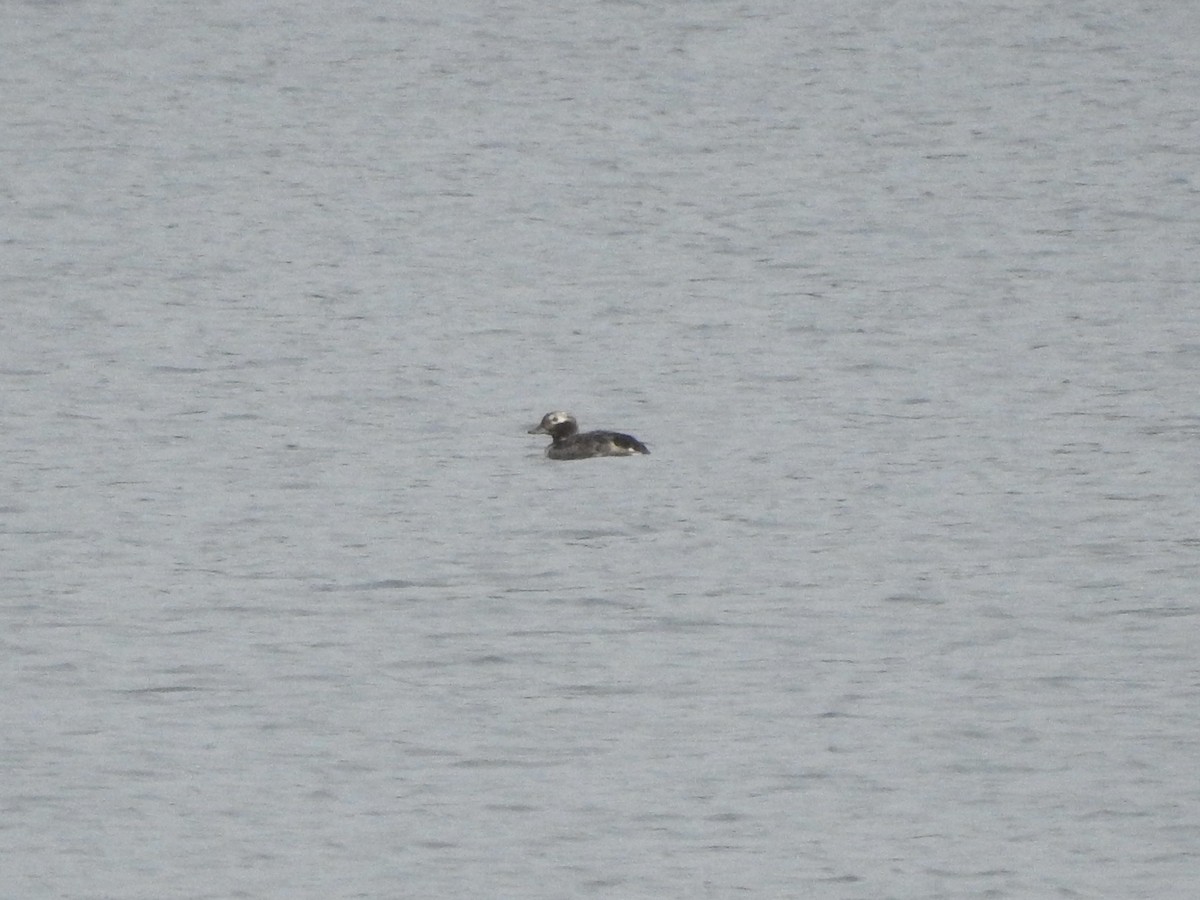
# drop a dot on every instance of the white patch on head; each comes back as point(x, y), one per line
point(557, 418)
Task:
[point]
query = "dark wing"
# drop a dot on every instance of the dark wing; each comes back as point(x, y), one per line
point(628, 442)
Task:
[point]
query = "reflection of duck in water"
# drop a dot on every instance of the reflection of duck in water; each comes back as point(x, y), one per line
point(568, 443)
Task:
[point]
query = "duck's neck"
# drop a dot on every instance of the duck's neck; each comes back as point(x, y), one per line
point(562, 431)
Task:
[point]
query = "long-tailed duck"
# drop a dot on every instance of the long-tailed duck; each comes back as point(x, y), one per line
point(568, 443)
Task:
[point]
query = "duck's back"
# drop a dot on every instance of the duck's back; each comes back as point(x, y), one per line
point(596, 443)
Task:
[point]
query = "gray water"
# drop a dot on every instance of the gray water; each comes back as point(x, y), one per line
point(902, 296)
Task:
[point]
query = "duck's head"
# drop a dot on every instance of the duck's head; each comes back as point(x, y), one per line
point(556, 424)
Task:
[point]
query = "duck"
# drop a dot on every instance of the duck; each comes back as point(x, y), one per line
point(568, 443)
